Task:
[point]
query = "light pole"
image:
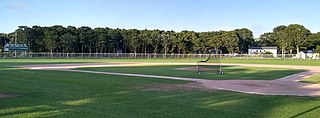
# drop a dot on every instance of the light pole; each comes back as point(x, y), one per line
point(15, 44)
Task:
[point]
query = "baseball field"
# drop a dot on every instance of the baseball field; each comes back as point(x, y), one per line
point(158, 88)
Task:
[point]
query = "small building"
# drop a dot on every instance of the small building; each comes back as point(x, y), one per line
point(263, 50)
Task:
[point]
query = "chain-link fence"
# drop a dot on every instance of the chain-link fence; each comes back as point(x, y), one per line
point(153, 55)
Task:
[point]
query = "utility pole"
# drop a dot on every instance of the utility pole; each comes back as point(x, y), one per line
point(15, 44)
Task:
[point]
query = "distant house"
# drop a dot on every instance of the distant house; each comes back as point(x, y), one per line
point(263, 50)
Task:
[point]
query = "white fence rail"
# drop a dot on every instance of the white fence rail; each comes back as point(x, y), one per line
point(153, 55)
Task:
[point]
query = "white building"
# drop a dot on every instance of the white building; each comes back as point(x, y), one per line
point(263, 50)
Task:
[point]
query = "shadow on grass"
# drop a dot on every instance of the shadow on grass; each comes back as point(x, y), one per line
point(305, 112)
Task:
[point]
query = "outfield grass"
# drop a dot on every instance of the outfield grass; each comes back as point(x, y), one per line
point(69, 94)
point(275, 62)
point(231, 72)
point(191, 60)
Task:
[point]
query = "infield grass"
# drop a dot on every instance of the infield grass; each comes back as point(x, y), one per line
point(231, 72)
point(313, 79)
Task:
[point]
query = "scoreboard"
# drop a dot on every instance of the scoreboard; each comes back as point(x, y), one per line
point(15, 47)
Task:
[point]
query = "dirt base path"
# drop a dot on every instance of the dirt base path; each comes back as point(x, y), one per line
point(283, 86)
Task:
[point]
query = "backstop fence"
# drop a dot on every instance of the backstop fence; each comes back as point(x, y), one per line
point(153, 55)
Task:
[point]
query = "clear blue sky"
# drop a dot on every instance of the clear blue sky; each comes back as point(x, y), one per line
point(199, 15)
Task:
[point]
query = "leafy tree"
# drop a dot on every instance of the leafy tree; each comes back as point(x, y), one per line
point(313, 40)
point(67, 42)
point(267, 39)
point(166, 39)
point(281, 37)
point(50, 39)
point(201, 43)
point(24, 35)
point(115, 40)
point(215, 42)
point(298, 35)
point(175, 41)
point(245, 37)
point(230, 41)
point(84, 36)
point(133, 39)
point(37, 43)
point(156, 38)
point(60, 30)
point(93, 41)
point(145, 39)
point(3, 39)
point(317, 50)
point(102, 36)
point(126, 40)
point(185, 41)
point(74, 32)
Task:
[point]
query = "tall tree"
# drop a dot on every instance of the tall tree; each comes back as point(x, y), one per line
point(166, 41)
point(298, 35)
point(3, 40)
point(68, 42)
point(156, 39)
point(281, 37)
point(37, 43)
point(145, 39)
point(230, 41)
point(102, 39)
point(245, 37)
point(313, 41)
point(267, 39)
point(51, 37)
point(84, 36)
point(175, 41)
point(115, 40)
point(74, 32)
point(215, 42)
point(201, 44)
point(24, 35)
point(185, 41)
point(133, 39)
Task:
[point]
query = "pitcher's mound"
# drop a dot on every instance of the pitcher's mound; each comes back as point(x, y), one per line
point(194, 68)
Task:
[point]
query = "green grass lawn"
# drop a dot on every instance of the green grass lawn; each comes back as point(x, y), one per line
point(231, 72)
point(313, 79)
point(275, 62)
point(42, 93)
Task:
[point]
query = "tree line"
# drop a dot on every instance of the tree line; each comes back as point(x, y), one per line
point(291, 39)
point(70, 39)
